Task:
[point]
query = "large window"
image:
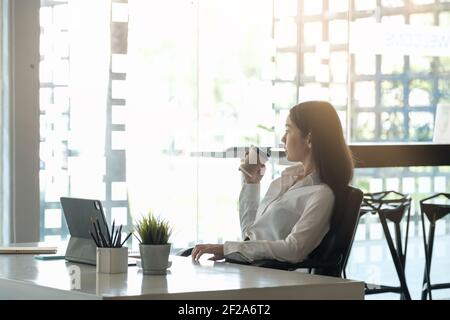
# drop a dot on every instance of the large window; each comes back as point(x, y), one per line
point(74, 104)
point(129, 89)
point(400, 72)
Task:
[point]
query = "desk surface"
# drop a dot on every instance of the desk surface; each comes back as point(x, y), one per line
point(24, 277)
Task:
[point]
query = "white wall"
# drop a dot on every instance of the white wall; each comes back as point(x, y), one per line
point(24, 59)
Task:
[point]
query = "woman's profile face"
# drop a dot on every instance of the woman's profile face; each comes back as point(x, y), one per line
point(296, 144)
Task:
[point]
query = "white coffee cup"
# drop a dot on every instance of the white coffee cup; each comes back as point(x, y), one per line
point(253, 162)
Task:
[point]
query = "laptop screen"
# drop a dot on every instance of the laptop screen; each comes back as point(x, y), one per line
point(80, 213)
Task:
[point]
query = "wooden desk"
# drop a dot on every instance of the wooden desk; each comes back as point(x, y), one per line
point(24, 277)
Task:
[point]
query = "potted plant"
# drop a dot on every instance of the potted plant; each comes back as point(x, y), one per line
point(154, 244)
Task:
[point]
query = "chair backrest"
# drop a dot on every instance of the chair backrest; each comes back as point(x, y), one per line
point(337, 243)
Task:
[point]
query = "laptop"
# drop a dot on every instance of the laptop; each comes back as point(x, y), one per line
point(79, 213)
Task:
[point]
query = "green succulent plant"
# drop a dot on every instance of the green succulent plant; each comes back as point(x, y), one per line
point(153, 230)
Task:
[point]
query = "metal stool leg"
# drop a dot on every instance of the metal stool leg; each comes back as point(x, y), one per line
point(396, 259)
point(399, 249)
point(407, 233)
point(398, 242)
point(428, 255)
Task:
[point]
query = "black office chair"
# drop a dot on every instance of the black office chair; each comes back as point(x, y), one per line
point(331, 256)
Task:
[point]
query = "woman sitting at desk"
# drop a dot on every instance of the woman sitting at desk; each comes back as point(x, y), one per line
point(295, 214)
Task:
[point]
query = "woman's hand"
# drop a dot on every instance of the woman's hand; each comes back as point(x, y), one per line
point(253, 173)
point(215, 249)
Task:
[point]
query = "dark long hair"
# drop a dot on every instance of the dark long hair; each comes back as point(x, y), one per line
point(332, 156)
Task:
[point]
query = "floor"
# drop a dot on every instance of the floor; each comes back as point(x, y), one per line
point(370, 261)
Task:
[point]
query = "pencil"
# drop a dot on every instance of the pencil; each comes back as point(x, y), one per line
point(115, 237)
point(108, 236)
point(97, 234)
point(101, 235)
point(95, 240)
point(112, 233)
point(119, 235)
point(121, 245)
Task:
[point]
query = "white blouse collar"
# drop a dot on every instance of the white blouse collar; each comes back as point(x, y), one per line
point(297, 170)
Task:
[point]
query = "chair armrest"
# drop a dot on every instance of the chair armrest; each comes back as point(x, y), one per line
point(305, 264)
point(275, 264)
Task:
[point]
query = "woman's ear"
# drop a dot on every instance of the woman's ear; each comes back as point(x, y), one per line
point(309, 140)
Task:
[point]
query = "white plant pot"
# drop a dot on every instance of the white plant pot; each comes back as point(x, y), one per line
point(154, 258)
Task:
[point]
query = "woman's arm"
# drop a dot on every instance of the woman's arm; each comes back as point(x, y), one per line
point(305, 236)
point(250, 193)
point(248, 205)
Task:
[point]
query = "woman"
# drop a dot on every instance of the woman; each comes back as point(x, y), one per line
point(295, 214)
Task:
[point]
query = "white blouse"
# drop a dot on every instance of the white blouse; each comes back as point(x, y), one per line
point(289, 223)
